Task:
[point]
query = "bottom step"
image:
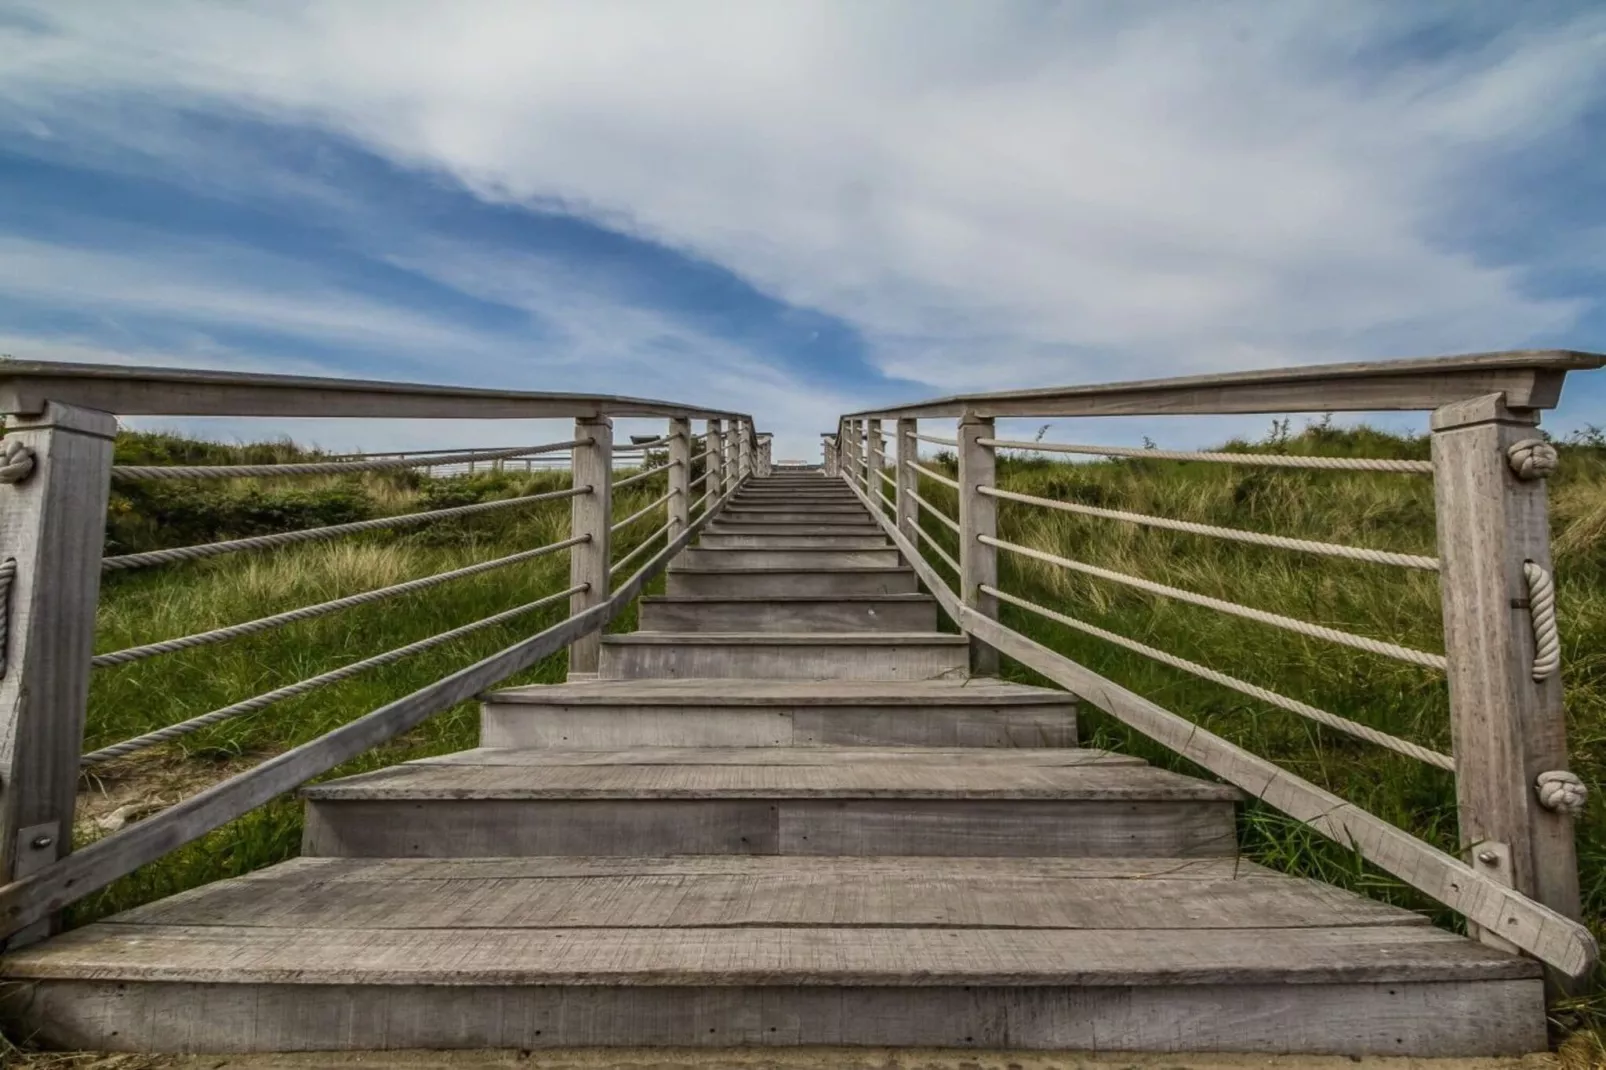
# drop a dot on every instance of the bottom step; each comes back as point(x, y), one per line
point(1158, 955)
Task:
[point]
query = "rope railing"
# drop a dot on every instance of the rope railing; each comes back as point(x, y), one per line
point(699, 481)
point(936, 547)
point(1269, 460)
point(645, 473)
point(700, 502)
point(953, 484)
point(889, 480)
point(285, 538)
point(1277, 620)
point(934, 511)
point(238, 471)
point(1281, 542)
point(694, 458)
point(882, 495)
point(1313, 713)
point(936, 440)
point(295, 616)
point(650, 507)
point(269, 698)
point(647, 542)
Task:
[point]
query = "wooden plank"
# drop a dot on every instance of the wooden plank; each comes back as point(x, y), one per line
point(798, 755)
point(1094, 781)
point(27, 386)
point(978, 517)
point(980, 690)
point(590, 515)
point(714, 463)
point(1530, 379)
point(231, 954)
point(1506, 727)
point(679, 475)
point(1466, 1018)
point(52, 525)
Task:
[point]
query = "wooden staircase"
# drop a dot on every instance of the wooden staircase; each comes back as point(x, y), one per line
point(783, 815)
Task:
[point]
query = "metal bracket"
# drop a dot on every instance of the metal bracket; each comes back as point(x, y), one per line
point(1493, 859)
point(36, 847)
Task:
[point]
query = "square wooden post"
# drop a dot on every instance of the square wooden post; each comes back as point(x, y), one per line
point(52, 527)
point(679, 476)
point(978, 516)
point(714, 463)
point(874, 462)
point(590, 514)
point(744, 450)
point(907, 448)
point(828, 447)
point(1506, 717)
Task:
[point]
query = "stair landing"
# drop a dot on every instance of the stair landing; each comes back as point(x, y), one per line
point(748, 834)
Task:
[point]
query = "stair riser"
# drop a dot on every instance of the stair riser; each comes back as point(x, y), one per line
point(1406, 1019)
point(606, 727)
point(783, 541)
point(796, 516)
point(990, 828)
point(780, 616)
point(793, 661)
point(722, 526)
point(790, 584)
point(802, 560)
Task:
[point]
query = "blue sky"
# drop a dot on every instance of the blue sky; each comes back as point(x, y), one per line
point(797, 208)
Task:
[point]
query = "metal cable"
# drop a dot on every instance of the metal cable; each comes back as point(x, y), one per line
point(1270, 460)
point(236, 471)
point(1316, 631)
point(262, 701)
point(285, 538)
point(1329, 549)
point(938, 476)
point(639, 513)
point(251, 627)
point(1320, 716)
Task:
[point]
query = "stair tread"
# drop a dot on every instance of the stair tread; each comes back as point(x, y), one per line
point(1090, 780)
point(978, 691)
point(803, 754)
point(915, 597)
point(848, 639)
point(827, 570)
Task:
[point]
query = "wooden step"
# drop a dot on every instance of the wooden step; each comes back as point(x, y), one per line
point(785, 656)
point(786, 583)
point(1006, 803)
point(829, 613)
point(773, 713)
point(812, 559)
point(1159, 955)
point(788, 539)
point(720, 525)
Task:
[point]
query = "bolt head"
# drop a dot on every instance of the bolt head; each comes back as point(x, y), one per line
point(1488, 858)
point(41, 842)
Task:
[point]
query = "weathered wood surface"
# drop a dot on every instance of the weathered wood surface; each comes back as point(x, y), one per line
point(1506, 727)
point(1530, 379)
point(51, 525)
point(784, 656)
point(853, 613)
point(679, 475)
point(978, 518)
point(591, 517)
point(786, 540)
point(784, 583)
point(1429, 1019)
point(805, 558)
point(977, 690)
point(801, 755)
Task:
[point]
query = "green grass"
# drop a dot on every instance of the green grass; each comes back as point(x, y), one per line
point(1392, 512)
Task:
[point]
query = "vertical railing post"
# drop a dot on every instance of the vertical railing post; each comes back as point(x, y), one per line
point(715, 461)
point(828, 447)
point(57, 470)
point(590, 515)
point(679, 476)
point(874, 462)
point(744, 450)
point(1515, 797)
point(978, 516)
point(908, 483)
point(844, 446)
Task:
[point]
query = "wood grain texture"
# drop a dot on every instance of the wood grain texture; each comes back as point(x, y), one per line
point(798, 755)
point(978, 690)
point(779, 583)
point(782, 540)
point(679, 475)
point(783, 656)
point(52, 525)
point(590, 515)
point(978, 517)
point(803, 559)
point(878, 613)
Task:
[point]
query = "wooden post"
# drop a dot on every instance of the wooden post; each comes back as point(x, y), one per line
point(679, 476)
point(715, 461)
point(978, 516)
point(1507, 728)
point(52, 525)
point(908, 479)
point(875, 460)
point(744, 449)
point(828, 448)
point(591, 514)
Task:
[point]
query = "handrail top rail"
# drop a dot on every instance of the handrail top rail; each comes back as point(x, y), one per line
point(130, 390)
point(1530, 379)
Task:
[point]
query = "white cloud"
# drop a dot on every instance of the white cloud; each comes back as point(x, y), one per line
point(995, 195)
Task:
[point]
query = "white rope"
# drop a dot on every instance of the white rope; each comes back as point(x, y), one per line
point(639, 513)
point(251, 627)
point(1562, 791)
point(639, 550)
point(1269, 460)
point(699, 481)
point(643, 474)
point(891, 482)
point(932, 542)
point(236, 471)
point(1316, 631)
point(938, 476)
point(262, 701)
point(1532, 458)
point(8, 574)
point(1320, 716)
point(699, 456)
point(879, 493)
point(16, 461)
point(934, 439)
point(699, 502)
point(1329, 549)
point(1542, 610)
point(285, 538)
point(934, 511)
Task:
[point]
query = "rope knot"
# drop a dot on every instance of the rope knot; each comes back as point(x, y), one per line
point(1532, 458)
point(16, 461)
point(1562, 792)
